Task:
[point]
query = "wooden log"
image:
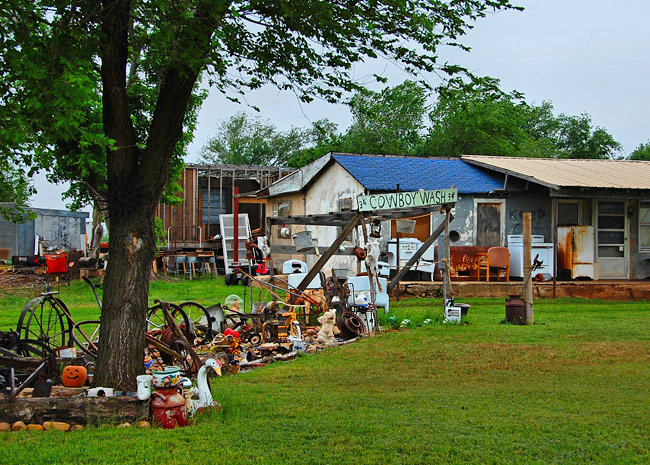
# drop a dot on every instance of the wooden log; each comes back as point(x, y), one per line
point(73, 410)
point(31, 363)
point(57, 391)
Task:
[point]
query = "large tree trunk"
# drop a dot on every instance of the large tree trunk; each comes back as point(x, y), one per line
point(136, 178)
point(126, 293)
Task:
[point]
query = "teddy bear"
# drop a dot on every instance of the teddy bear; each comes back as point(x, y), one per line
point(328, 328)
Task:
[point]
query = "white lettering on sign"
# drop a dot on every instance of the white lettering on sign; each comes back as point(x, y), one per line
point(406, 199)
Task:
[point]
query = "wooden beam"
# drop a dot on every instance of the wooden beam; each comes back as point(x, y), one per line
point(434, 235)
point(313, 220)
point(291, 250)
point(528, 268)
point(251, 200)
point(342, 218)
point(328, 254)
point(27, 382)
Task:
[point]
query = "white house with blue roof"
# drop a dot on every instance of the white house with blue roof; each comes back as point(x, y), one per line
point(333, 182)
point(595, 214)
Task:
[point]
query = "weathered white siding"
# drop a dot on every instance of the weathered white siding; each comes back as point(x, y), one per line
point(323, 196)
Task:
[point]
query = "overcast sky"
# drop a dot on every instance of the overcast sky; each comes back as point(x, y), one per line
point(588, 56)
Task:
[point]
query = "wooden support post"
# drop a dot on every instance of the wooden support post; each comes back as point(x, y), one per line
point(555, 220)
point(269, 240)
point(209, 197)
point(359, 261)
point(328, 254)
point(371, 277)
point(432, 238)
point(450, 292)
point(397, 257)
point(528, 284)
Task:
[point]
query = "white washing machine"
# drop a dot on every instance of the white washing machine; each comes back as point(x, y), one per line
point(537, 247)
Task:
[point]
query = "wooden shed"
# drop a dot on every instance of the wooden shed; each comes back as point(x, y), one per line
point(207, 192)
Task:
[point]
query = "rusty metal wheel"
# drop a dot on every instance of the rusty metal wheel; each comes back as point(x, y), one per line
point(351, 326)
point(85, 335)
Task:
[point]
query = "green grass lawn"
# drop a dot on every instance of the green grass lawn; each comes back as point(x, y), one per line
point(574, 388)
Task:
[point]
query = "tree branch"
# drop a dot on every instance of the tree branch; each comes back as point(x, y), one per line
point(121, 162)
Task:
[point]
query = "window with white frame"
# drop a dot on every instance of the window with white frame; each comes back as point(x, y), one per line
point(644, 225)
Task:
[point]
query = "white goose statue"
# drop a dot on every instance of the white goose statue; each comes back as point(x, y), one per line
point(202, 392)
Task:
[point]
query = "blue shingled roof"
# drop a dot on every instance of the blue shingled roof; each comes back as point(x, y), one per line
point(378, 173)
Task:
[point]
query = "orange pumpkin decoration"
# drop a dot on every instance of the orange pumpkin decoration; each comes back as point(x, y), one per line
point(74, 376)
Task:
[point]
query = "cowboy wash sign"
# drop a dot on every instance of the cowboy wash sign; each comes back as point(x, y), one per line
point(397, 200)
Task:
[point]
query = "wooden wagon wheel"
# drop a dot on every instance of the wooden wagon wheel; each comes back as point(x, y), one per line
point(46, 319)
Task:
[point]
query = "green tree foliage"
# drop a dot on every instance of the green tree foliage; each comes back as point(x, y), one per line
point(101, 93)
point(477, 118)
point(642, 152)
point(15, 190)
point(51, 96)
point(469, 117)
point(577, 138)
point(246, 140)
point(387, 122)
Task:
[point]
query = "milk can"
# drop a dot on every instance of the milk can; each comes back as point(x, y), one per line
point(168, 407)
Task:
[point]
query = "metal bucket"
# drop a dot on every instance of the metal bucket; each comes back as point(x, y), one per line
point(303, 242)
point(406, 226)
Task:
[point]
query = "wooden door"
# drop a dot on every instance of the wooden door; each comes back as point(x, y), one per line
point(488, 224)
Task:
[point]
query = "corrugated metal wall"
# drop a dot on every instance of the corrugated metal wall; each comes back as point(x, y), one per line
point(9, 236)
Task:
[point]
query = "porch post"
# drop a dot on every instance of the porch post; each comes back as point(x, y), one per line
point(555, 221)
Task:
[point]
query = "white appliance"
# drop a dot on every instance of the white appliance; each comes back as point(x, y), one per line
point(575, 251)
point(294, 266)
point(361, 285)
point(537, 247)
point(407, 248)
point(296, 278)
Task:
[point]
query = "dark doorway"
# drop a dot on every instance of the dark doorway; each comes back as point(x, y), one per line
point(488, 224)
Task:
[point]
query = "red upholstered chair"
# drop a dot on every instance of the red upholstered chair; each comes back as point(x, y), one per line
point(496, 257)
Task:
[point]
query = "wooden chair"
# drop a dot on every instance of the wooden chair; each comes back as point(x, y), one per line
point(495, 257)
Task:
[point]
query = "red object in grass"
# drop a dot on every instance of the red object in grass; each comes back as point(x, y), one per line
point(168, 407)
point(56, 263)
point(231, 332)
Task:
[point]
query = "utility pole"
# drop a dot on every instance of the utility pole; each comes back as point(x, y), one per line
point(528, 269)
point(397, 296)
